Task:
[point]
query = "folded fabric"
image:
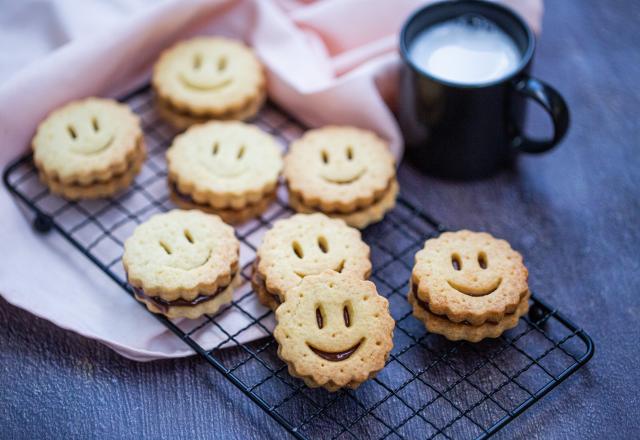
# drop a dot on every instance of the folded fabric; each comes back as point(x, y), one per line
point(327, 62)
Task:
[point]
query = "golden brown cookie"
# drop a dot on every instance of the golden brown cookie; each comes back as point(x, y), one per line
point(89, 142)
point(360, 218)
point(455, 331)
point(341, 171)
point(303, 245)
point(182, 263)
point(334, 331)
point(470, 276)
point(208, 78)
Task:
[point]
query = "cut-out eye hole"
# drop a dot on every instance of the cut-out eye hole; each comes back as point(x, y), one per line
point(350, 152)
point(325, 156)
point(346, 315)
point(323, 244)
point(222, 64)
point(188, 236)
point(197, 61)
point(94, 122)
point(72, 131)
point(297, 249)
point(216, 148)
point(241, 152)
point(166, 247)
point(319, 318)
point(482, 260)
point(456, 262)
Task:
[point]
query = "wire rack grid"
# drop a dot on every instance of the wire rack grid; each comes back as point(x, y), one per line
point(430, 387)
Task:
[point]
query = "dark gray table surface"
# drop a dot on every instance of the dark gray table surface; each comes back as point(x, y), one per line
point(574, 213)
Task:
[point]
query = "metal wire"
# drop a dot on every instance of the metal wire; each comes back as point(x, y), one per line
point(430, 387)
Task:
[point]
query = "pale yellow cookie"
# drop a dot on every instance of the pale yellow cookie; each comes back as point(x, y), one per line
point(87, 141)
point(360, 218)
point(470, 276)
point(209, 77)
point(339, 169)
point(224, 164)
point(97, 189)
point(181, 255)
point(308, 244)
point(334, 331)
point(455, 331)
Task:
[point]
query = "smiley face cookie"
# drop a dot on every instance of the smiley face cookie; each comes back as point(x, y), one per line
point(304, 245)
point(182, 263)
point(208, 78)
point(470, 281)
point(334, 331)
point(344, 172)
point(227, 168)
point(89, 148)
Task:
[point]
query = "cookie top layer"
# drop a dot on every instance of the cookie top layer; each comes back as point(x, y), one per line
point(224, 163)
point(308, 244)
point(181, 254)
point(339, 168)
point(470, 276)
point(334, 329)
point(86, 141)
point(208, 76)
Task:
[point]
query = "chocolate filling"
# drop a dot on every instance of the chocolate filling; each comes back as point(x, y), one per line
point(164, 305)
point(336, 356)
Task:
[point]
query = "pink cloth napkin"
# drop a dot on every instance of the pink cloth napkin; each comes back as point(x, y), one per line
point(328, 62)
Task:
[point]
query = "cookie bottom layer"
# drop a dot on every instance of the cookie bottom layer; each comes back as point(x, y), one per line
point(99, 189)
point(193, 312)
point(259, 285)
point(229, 215)
point(183, 120)
point(455, 331)
point(360, 218)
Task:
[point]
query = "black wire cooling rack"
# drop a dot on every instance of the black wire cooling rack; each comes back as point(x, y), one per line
point(430, 387)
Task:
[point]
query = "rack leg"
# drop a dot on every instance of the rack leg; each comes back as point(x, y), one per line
point(42, 223)
point(538, 313)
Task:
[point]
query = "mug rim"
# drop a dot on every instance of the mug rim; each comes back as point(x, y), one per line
point(526, 56)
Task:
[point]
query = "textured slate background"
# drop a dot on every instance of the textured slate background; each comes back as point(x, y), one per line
point(574, 213)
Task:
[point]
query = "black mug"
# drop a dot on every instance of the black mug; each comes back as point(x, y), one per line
point(467, 131)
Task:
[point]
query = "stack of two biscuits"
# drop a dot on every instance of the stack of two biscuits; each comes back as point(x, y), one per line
point(89, 149)
point(226, 168)
point(183, 264)
point(469, 286)
point(333, 328)
point(343, 172)
point(208, 78)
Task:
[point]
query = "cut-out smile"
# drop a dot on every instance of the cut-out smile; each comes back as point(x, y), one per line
point(336, 356)
point(475, 292)
point(204, 87)
point(345, 180)
point(196, 266)
point(338, 268)
point(94, 150)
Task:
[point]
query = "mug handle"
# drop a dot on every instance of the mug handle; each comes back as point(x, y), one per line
point(555, 106)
